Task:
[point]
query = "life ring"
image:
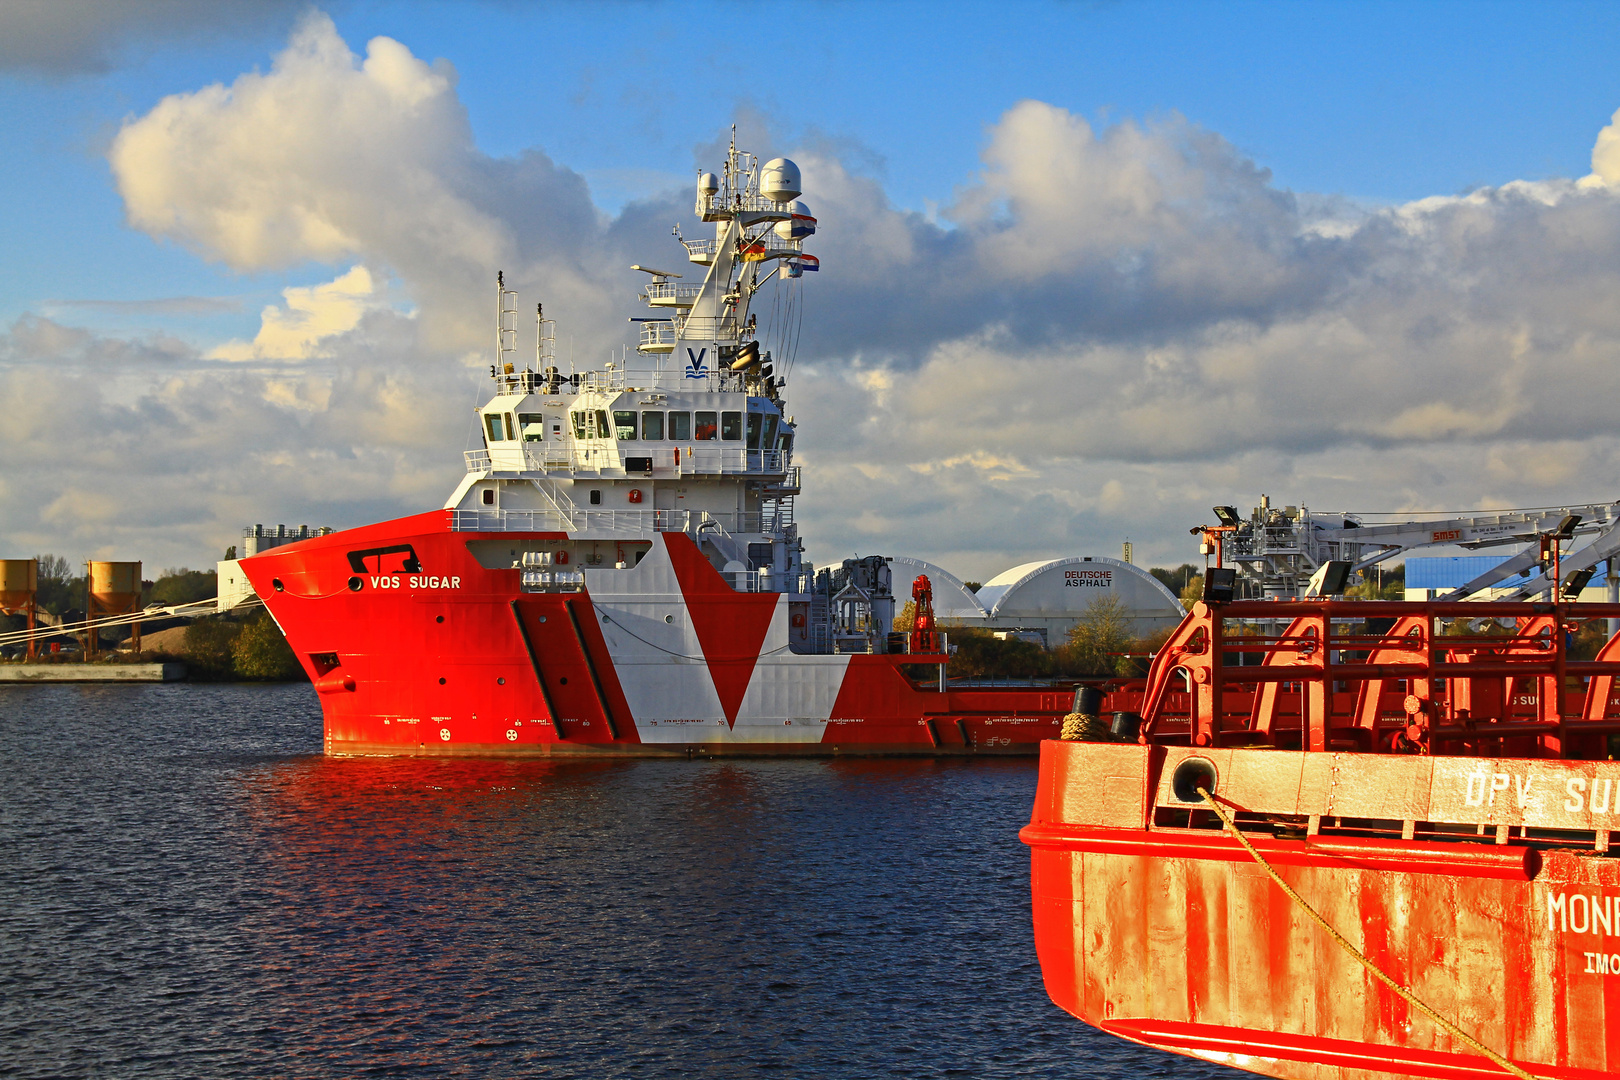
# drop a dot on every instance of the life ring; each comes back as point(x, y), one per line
point(635, 495)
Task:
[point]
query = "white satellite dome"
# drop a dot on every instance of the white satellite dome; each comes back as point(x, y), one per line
point(799, 226)
point(708, 183)
point(779, 180)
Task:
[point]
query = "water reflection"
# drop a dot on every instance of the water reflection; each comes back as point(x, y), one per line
point(197, 894)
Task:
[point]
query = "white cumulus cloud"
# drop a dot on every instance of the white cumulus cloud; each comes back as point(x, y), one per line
point(313, 315)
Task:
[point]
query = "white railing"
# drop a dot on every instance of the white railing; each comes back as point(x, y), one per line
point(657, 335)
point(586, 519)
point(758, 581)
point(604, 382)
point(708, 328)
point(776, 515)
point(729, 202)
point(697, 459)
point(772, 246)
point(531, 382)
point(666, 293)
point(701, 251)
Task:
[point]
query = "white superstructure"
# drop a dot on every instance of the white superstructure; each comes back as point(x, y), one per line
point(687, 433)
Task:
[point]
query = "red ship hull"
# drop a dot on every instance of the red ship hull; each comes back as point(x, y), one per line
point(1473, 867)
point(1173, 936)
point(417, 647)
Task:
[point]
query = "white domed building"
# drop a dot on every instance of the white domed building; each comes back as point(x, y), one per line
point(952, 600)
point(1046, 598)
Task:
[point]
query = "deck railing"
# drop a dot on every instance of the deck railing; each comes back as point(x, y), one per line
point(667, 461)
point(680, 295)
point(657, 335)
point(588, 519)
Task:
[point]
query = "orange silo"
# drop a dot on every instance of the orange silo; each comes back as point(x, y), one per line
point(19, 592)
point(115, 589)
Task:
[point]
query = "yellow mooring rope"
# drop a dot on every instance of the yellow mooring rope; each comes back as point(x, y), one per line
point(1501, 1062)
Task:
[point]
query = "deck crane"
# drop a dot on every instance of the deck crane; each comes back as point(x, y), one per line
point(1278, 550)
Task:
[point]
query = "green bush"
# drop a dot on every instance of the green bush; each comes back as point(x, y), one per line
point(982, 655)
point(209, 644)
point(261, 652)
point(1098, 639)
point(60, 591)
point(184, 586)
point(1177, 579)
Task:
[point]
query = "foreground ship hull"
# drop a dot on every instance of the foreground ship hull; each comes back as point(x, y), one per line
point(417, 646)
point(1435, 781)
point(1173, 937)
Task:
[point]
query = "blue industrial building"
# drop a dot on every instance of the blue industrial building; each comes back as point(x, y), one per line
point(1431, 575)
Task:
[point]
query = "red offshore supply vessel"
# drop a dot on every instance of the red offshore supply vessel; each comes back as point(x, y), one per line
point(1435, 779)
point(620, 571)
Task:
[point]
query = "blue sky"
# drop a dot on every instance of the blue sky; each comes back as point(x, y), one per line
point(1354, 110)
point(1383, 102)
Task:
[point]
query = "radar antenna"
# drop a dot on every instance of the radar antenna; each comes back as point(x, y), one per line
point(505, 324)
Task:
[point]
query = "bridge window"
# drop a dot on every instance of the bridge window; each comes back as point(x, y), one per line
point(603, 429)
point(680, 426)
point(624, 426)
point(652, 425)
point(533, 426)
point(579, 424)
point(494, 425)
point(768, 441)
point(706, 427)
point(753, 430)
point(730, 426)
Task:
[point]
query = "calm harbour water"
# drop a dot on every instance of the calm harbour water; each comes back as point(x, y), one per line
point(189, 889)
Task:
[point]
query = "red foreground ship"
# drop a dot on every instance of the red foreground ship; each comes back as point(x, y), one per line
point(1435, 779)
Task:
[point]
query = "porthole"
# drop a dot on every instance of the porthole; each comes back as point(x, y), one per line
point(441, 680)
point(669, 618)
point(438, 618)
point(355, 584)
point(500, 682)
point(276, 584)
point(542, 618)
point(563, 680)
